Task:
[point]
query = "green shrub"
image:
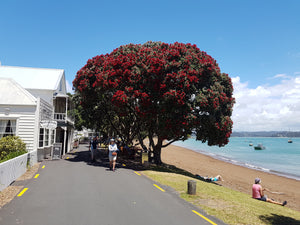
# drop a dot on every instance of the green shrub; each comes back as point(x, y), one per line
point(11, 147)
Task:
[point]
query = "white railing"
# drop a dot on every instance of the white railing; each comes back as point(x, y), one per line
point(60, 116)
point(12, 169)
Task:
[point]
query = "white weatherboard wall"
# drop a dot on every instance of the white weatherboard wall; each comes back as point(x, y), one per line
point(12, 170)
point(26, 128)
point(25, 117)
point(18, 104)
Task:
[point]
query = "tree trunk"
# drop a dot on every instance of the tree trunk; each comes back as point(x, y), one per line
point(150, 158)
point(157, 153)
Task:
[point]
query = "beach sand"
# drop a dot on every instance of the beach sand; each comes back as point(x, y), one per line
point(235, 177)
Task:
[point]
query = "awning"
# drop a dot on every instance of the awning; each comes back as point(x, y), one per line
point(64, 124)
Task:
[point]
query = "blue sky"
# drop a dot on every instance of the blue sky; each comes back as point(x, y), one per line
point(256, 42)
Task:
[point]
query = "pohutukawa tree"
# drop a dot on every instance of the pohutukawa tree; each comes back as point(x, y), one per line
point(165, 92)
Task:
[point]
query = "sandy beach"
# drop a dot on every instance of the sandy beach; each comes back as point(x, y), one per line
point(235, 177)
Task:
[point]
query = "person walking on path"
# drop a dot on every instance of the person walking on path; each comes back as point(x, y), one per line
point(112, 154)
point(258, 193)
point(94, 146)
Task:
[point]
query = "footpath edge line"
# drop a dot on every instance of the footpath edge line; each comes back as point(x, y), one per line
point(199, 214)
point(22, 192)
point(159, 188)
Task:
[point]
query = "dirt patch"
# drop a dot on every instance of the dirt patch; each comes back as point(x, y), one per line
point(10, 192)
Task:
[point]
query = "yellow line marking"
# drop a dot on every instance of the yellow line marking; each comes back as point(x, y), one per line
point(158, 187)
point(36, 176)
point(137, 173)
point(22, 192)
point(43, 166)
point(208, 220)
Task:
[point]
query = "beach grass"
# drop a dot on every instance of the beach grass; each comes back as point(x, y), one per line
point(228, 205)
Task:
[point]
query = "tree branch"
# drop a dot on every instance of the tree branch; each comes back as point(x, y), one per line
point(169, 143)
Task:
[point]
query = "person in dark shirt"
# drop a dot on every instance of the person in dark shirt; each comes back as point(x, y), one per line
point(94, 146)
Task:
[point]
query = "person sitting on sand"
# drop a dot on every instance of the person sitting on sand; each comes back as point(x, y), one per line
point(216, 178)
point(211, 179)
point(258, 193)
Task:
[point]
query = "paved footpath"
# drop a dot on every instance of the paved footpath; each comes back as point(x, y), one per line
point(75, 191)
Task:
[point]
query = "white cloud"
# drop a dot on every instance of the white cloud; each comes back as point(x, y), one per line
point(267, 108)
point(280, 76)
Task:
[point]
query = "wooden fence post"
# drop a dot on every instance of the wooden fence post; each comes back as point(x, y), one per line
point(192, 187)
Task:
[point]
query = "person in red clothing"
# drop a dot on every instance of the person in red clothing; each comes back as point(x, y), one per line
point(258, 193)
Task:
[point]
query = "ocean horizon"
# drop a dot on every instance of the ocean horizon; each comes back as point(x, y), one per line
point(279, 157)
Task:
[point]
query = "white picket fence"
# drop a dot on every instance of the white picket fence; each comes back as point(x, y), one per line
point(14, 168)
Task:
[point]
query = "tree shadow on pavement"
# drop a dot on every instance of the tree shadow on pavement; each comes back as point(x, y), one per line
point(83, 154)
point(278, 220)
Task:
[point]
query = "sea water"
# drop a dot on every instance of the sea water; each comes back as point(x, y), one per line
point(279, 156)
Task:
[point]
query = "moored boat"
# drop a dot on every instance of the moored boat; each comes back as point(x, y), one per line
point(259, 147)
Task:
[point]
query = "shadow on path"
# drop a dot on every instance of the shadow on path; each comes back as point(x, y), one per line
point(83, 154)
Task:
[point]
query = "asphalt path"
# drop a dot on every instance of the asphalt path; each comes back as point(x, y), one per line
point(75, 191)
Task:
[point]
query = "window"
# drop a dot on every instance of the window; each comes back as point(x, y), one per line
point(7, 128)
point(46, 137)
point(52, 137)
point(41, 139)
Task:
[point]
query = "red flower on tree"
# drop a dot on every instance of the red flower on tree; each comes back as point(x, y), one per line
point(159, 89)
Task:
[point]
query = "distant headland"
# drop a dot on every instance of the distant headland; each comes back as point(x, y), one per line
point(265, 134)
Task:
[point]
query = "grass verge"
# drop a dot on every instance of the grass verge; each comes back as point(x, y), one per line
point(228, 205)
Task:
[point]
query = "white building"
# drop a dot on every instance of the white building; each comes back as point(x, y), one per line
point(34, 105)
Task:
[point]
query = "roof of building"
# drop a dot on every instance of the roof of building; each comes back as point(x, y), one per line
point(33, 78)
point(11, 93)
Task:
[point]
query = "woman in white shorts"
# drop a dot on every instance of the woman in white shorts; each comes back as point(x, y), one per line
point(112, 154)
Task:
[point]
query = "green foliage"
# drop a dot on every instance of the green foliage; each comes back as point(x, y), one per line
point(10, 147)
point(83, 116)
